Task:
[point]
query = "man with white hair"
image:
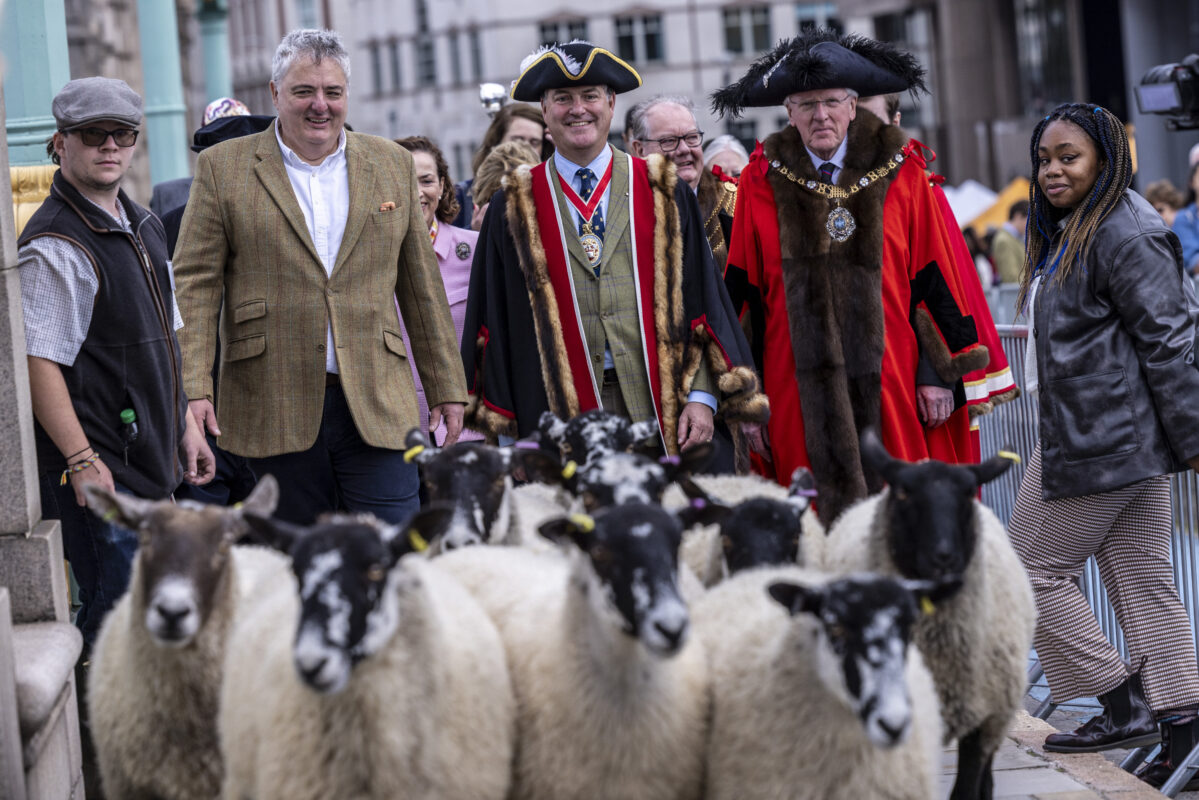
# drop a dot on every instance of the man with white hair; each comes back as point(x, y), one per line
point(839, 245)
point(592, 285)
point(312, 234)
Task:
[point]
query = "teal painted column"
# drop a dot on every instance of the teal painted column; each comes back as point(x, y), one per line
point(213, 16)
point(166, 114)
point(33, 41)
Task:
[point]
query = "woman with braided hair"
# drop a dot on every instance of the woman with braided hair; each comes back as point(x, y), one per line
point(1112, 361)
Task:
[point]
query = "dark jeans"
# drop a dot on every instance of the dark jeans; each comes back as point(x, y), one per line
point(341, 472)
point(233, 482)
point(100, 552)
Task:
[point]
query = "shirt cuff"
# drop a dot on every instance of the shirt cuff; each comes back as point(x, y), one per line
point(703, 397)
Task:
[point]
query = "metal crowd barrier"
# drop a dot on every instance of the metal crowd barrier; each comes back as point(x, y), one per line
point(1013, 425)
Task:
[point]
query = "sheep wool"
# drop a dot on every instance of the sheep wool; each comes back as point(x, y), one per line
point(600, 718)
point(428, 717)
point(777, 732)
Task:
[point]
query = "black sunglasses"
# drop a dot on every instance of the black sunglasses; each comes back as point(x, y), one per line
point(95, 137)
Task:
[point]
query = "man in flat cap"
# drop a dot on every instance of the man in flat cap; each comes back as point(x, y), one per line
point(310, 234)
point(593, 286)
point(839, 250)
point(100, 322)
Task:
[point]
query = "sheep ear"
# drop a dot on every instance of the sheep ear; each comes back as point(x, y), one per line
point(703, 512)
point(875, 455)
point(644, 432)
point(803, 489)
point(991, 469)
point(125, 510)
point(425, 527)
point(551, 426)
point(536, 464)
point(263, 499)
point(795, 598)
point(417, 447)
point(574, 528)
point(690, 461)
point(273, 532)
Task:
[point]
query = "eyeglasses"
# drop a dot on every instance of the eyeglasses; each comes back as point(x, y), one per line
point(808, 107)
point(668, 144)
point(95, 137)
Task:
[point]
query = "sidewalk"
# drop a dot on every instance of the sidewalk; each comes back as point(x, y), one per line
point(1023, 771)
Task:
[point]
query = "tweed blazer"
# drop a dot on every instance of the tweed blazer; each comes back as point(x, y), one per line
point(244, 236)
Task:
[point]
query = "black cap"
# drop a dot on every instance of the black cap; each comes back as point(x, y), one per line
point(821, 59)
point(224, 128)
point(577, 63)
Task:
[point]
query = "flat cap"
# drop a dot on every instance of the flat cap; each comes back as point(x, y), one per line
point(85, 100)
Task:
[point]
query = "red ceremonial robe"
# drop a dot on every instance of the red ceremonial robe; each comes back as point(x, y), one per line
point(826, 324)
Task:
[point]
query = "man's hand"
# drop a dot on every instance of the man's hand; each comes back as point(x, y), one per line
point(934, 404)
point(98, 474)
point(205, 415)
point(199, 465)
point(476, 216)
point(452, 414)
point(695, 425)
point(755, 434)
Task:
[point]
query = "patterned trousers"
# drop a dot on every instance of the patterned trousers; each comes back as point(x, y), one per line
point(1128, 531)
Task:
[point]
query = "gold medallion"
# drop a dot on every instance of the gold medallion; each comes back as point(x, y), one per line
point(593, 247)
point(841, 224)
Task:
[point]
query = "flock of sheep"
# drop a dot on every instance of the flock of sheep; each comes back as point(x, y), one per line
point(621, 628)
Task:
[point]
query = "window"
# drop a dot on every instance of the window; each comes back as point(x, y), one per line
point(422, 15)
point(393, 49)
point(1044, 52)
point(809, 16)
point(562, 31)
point(426, 61)
point(376, 52)
point(455, 58)
point(640, 38)
point(746, 27)
point(745, 131)
point(476, 56)
point(306, 14)
point(912, 30)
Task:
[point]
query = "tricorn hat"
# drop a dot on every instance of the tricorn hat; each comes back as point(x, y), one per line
point(821, 59)
point(576, 63)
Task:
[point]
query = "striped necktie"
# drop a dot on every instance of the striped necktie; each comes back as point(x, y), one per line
point(826, 171)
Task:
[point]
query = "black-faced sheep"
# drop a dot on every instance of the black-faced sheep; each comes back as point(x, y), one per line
point(611, 690)
point(154, 683)
point(817, 695)
point(595, 434)
point(928, 524)
point(373, 675)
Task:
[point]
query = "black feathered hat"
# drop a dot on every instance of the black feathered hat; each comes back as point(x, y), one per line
point(576, 63)
point(821, 59)
point(223, 128)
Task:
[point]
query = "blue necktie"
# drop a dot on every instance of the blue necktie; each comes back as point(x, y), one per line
point(586, 187)
point(826, 171)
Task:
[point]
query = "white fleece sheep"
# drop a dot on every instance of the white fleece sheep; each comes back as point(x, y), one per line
point(600, 716)
point(153, 698)
point(976, 644)
point(701, 550)
point(783, 723)
point(427, 715)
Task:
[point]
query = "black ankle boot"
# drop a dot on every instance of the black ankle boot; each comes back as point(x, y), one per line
point(1126, 721)
point(1178, 739)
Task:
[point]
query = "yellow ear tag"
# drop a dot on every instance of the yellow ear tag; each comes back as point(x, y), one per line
point(237, 506)
point(1009, 455)
point(569, 470)
point(412, 452)
point(417, 541)
point(927, 606)
point(583, 522)
point(110, 515)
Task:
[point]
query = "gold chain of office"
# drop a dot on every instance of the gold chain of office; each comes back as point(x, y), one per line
point(841, 223)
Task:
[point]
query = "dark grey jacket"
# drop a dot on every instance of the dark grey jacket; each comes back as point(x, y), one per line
point(1119, 387)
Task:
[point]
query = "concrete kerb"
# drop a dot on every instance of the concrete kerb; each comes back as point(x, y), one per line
point(1091, 769)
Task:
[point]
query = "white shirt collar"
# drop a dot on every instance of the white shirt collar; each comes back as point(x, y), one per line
point(290, 157)
point(838, 159)
point(567, 168)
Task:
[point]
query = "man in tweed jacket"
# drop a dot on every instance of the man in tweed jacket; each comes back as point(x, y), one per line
point(308, 232)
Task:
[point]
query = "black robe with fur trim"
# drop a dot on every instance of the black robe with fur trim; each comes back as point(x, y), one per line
point(846, 324)
point(512, 345)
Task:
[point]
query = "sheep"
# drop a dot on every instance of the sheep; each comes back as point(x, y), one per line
point(612, 693)
point(154, 681)
point(927, 524)
point(378, 677)
point(816, 693)
point(594, 434)
point(758, 532)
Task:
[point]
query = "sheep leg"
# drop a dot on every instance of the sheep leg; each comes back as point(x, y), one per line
point(974, 770)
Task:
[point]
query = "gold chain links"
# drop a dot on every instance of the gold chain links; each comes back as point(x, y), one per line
point(838, 193)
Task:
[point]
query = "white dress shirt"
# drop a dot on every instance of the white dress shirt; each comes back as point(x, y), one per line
point(323, 192)
point(838, 159)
